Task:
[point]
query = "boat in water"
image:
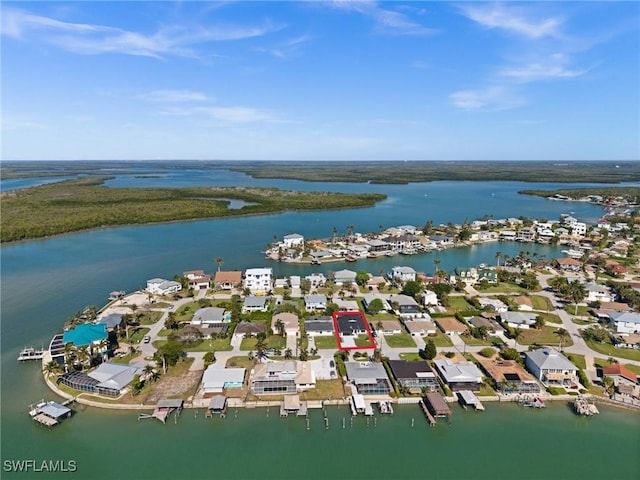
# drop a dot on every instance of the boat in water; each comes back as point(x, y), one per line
point(30, 353)
point(573, 253)
point(535, 402)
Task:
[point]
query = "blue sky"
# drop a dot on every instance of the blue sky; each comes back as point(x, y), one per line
point(352, 80)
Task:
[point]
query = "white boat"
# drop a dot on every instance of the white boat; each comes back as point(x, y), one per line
point(573, 253)
point(30, 353)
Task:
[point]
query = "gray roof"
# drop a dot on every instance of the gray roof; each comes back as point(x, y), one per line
point(521, 318)
point(315, 298)
point(458, 372)
point(217, 402)
point(548, 358)
point(403, 300)
point(627, 317)
point(255, 301)
point(114, 376)
point(403, 270)
point(54, 410)
point(111, 321)
point(318, 325)
point(357, 372)
point(209, 315)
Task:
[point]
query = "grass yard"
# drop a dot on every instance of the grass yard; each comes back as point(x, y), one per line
point(503, 287)
point(486, 391)
point(331, 389)
point(137, 334)
point(411, 357)
point(459, 304)
point(541, 303)
point(545, 336)
point(608, 349)
point(274, 341)
point(400, 340)
point(326, 342)
point(583, 310)
point(240, 362)
point(471, 340)
point(440, 339)
point(217, 345)
point(578, 360)
point(550, 318)
point(363, 341)
point(185, 312)
point(148, 317)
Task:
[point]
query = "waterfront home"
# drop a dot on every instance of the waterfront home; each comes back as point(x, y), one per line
point(451, 326)
point(521, 320)
point(293, 240)
point(625, 381)
point(318, 326)
point(402, 274)
point(275, 378)
point(508, 375)
point(526, 234)
point(390, 327)
point(227, 280)
point(289, 321)
point(507, 235)
point(378, 246)
point(442, 241)
point(420, 328)
point(316, 302)
point(369, 378)
point(197, 279)
point(429, 298)
point(258, 280)
point(316, 280)
point(569, 264)
point(494, 304)
point(85, 334)
point(210, 317)
point(109, 379)
point(216, 379)
point(551, 367)
point(346, 305)
point(598, 293)
point(342, 277)
point(113, 321)
point(254, 303)
point(473, 276)
point(244, 329)
point(414, 375)
point(402, 242)
point(404, 305)
point(369, 297)
point(160, 286)
point(626, 322)
point(626, 340)
point(459, 376)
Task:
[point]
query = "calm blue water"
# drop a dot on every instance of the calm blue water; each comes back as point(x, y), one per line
point(46, 281)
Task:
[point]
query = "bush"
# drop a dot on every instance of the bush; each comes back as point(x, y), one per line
point(487, 352)
point(450, 354)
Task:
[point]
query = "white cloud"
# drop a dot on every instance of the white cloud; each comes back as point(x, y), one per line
point(513, 19)
point(96, 39)
point(226, 115)
point(10, 122)
point(492, 98)
point(286, 49)
point(386, 21)
point(538, 71)
point(173, 96)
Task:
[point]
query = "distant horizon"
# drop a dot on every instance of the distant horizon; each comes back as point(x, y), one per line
point(320, 80)
point(558, 162)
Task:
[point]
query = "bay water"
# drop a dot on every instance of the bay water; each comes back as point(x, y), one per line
point(43, 282)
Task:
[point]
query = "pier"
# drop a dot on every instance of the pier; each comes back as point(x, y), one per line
point(432, 421)
point(467, 397)
point(217, 406)
point(436, 406)
point(30, 353)
point(163, 409)
point(50, 413)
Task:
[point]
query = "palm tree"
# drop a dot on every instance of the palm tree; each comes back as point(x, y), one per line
point(334, 232)
point(52, 367)
point(261, 345)
point(517, 334)
point(564, 335)
point(288, 354)
point(280, 327)
point(82, 354)
point(147, 371)
point(219, 262)
point(576, 292)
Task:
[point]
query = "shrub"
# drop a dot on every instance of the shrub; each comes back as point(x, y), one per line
point(487, 352)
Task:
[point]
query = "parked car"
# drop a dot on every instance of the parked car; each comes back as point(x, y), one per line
point(146, 339)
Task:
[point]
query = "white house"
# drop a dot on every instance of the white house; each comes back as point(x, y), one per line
point(579, 228)
point(626, 322)
point(344, 276)
point(198, 279)
point(293, 240)
point(315, 302)
point(551, 367)
point(160, 286)
point(318, 326)
point(210, 316)
point(254, 303)
point(419, 328)
point(493, 303)
point(316, 280)
point(429, 297)
point(258, 280)
point(216, 378)
point(519, 319)
point(404, 274)
point(598, 293)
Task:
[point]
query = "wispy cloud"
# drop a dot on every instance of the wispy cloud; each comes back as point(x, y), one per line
point(174, 96)
point(420, 64)
point(287, 49)
point(91, 39)
point(492, 98)
point(386, 21)
point(513, 19)
point(11, 122)
point(540, 71)
point(227, 115)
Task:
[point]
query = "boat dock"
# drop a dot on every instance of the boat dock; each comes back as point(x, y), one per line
point(385, 407)
point(292, 404)
point(436, 405)
point(30, 353)
point(432, 421)
point(50, 413)
point(582, 406)
point(217, 406)
point(163, 409)
point(533, 402)
point(467, 397)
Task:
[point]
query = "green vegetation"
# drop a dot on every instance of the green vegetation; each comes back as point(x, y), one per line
point(439, 339)
point(401, 340)
point(631, 193)
point(545, 336)
point(85, 203)
point(541, 303)
point(363, 340)
point(240, 362)
point(550, 318)
point(136, 335)
point(330, 389)
point(459, 303)
point(411, 357)
point(274, 341)
point(607, 348)
point(578, 360)
point(556, 390)
point(503, 287)
point(581, 311)
point(326, 342)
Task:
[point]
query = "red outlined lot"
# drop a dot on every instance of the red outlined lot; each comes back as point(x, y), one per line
point(336, 329)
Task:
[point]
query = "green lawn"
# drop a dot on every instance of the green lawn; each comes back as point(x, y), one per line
point(440, 339)
point(578, 360)
point(217, 345)
point(541, 303)
point(326, 342)
point(274, 341)
point(459, 304)
point(411, 357)
point(148, 317)
point(136, 335)
point(363, 341)
point(611, 351)
point(544, 336)
point(583, 310)
point(471, 340)
point(578, 321)
point(503, 287)
point(486, 391)
point(240, 362)
point(550, 318)
point(401, 340)
point(185, 312)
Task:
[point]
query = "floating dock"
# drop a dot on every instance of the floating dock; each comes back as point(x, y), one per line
point(49, 414)
point(30, 353)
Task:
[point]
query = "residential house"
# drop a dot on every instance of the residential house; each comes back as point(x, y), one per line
point(112, 321)
point(493, 304)
point(406, 305)
point(293, 240)
point(290, 324)
point(369, 378)
point(369, 297)
point(160, 286)
point(210, 317)
point(244, 329)
point(551, 367)
point(414, 375)
point(491, 325)
point(451, 326)
point(316, 302)
point(524, 303)
point(276, 378)
point(317, 280)
point(579, 229)
point(526, 234)
point(378, 246)
point(197, 279)
point(521, 320)
point(509, 376)
point(254, 303)
point(598, 293)
point(442, 241)
point(403, 274)
point(109, 379)
point(390, 327)
point(625, 380)
point(626, 322)
point(420, 328)
point(227, 280)
point(346, 305)
point(459, 376)
point(216, 379)
point(342, 277)
point(569, 264)
point(429, 298)
point(318, 326)
point(258, 280)
point(350, 323)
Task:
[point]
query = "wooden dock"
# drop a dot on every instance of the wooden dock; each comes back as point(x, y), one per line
point(432, 421)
